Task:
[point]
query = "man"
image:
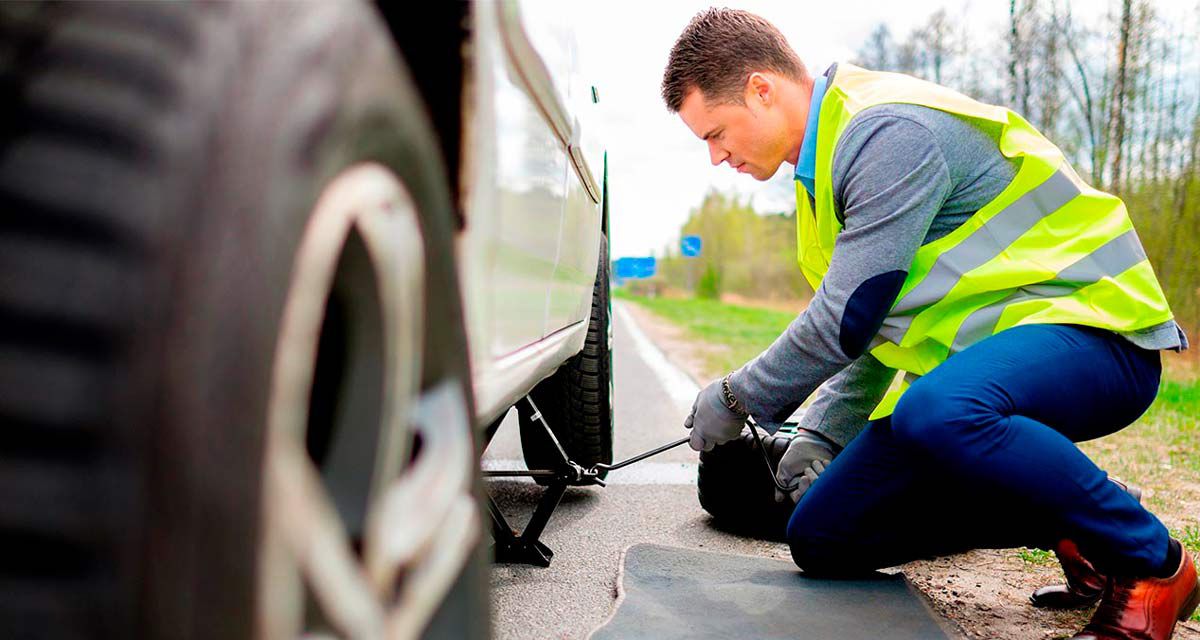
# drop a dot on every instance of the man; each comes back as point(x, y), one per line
point(953, 248)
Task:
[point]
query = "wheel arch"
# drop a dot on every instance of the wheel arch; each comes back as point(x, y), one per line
point(439, 39)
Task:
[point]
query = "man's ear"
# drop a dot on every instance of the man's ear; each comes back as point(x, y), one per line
point(760, 89)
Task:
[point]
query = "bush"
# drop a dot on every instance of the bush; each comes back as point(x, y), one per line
point(709, 286)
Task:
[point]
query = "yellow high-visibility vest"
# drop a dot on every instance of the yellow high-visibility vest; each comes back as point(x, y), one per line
point(1048, 250)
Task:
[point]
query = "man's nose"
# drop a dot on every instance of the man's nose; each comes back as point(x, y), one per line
point(716, 154)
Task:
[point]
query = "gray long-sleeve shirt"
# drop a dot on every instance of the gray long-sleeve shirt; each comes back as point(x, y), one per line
point(903, 175)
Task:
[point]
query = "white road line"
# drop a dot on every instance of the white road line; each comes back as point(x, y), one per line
point(642, 473)
point(681, 389)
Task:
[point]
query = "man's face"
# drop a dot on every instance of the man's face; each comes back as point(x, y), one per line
point(751, 138)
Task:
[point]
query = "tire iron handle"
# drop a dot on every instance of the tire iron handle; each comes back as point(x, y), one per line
point(596, 468)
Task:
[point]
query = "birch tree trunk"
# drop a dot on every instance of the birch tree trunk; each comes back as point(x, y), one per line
point(1116, 141)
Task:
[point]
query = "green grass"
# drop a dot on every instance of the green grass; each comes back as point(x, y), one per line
point(1190, 537)
point(1180, 396)
point(743, 332)
point(1037, 557)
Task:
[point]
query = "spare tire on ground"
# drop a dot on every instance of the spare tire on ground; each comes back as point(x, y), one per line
point(735, 487)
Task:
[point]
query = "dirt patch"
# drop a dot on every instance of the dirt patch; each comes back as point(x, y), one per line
point(984, 592)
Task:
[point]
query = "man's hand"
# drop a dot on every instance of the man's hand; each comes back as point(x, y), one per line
point(711, 421)
point(805, 460)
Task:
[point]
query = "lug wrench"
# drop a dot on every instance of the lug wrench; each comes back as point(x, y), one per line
point(600, 466)
point(594, 470)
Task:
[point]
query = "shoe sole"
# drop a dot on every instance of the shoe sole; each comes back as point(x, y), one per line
point(1059, 606)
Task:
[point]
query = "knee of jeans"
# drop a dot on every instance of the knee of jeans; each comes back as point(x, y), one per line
point(924, 415)
point(813, 549)
point(819, 558)
point(813, 555)
point(918, 417)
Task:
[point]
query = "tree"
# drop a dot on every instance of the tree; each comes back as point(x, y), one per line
point(1116, 116)
point(1019, 59)
point(878, 52)
point(1049, 79)
point(1014, 52)
point(1075, 40)
point(909, 56)
point(937, 38)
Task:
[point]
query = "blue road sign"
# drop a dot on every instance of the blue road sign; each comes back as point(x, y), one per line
point(689, 246)
point(630, 268)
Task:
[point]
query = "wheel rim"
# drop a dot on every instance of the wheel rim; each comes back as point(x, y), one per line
point(418, 520)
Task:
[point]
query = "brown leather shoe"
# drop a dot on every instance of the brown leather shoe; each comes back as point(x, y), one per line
point(1084, 584)
point(1145, 608)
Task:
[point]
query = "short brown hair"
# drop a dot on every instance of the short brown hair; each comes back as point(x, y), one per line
point(717, 52)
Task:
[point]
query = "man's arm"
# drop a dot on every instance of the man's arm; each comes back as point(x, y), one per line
point(892, 179)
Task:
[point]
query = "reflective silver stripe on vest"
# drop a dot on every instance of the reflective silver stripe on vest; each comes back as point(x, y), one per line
point(894, 328)
point(1109, 260)
point(978, 248)
point(989, 240)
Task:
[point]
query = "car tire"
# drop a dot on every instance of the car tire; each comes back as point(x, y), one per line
point(577, 400)
point(159, 169)
point(735, 488)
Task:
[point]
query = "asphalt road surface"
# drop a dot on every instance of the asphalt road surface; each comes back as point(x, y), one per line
point(650, 501)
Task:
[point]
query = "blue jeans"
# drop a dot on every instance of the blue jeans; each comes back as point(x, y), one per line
point(979, 453)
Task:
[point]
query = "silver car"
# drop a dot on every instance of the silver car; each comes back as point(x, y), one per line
point(270, 276)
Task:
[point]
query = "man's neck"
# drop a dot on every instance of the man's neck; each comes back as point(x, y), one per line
point(798, 98)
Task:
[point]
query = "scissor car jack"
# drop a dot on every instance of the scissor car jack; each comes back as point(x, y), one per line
point(525, 547)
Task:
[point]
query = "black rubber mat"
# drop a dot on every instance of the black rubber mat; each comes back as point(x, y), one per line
point(671, 592)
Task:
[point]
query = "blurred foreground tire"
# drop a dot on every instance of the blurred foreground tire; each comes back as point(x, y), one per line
point(233, 380)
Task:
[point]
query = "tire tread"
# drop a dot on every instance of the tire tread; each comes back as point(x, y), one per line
point(576, 399)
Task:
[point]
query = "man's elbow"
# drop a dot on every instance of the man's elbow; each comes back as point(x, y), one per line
point(866, 309)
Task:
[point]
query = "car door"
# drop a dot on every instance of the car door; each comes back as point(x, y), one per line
point(531, 171)
point(579, 241)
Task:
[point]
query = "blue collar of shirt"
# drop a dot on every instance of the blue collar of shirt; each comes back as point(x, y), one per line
point(806, 165)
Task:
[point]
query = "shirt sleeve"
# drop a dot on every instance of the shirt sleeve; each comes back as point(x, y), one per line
point(890, 179)
point(845, 401)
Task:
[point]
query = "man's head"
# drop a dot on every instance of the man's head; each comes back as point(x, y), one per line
point(739, 86)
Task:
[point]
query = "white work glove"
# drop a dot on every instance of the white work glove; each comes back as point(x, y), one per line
point(711, 421)
point(802, 463)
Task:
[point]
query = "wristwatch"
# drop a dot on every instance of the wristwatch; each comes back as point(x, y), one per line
point(731, 401)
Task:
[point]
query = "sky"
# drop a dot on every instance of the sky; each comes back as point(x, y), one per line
point(658, 170)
